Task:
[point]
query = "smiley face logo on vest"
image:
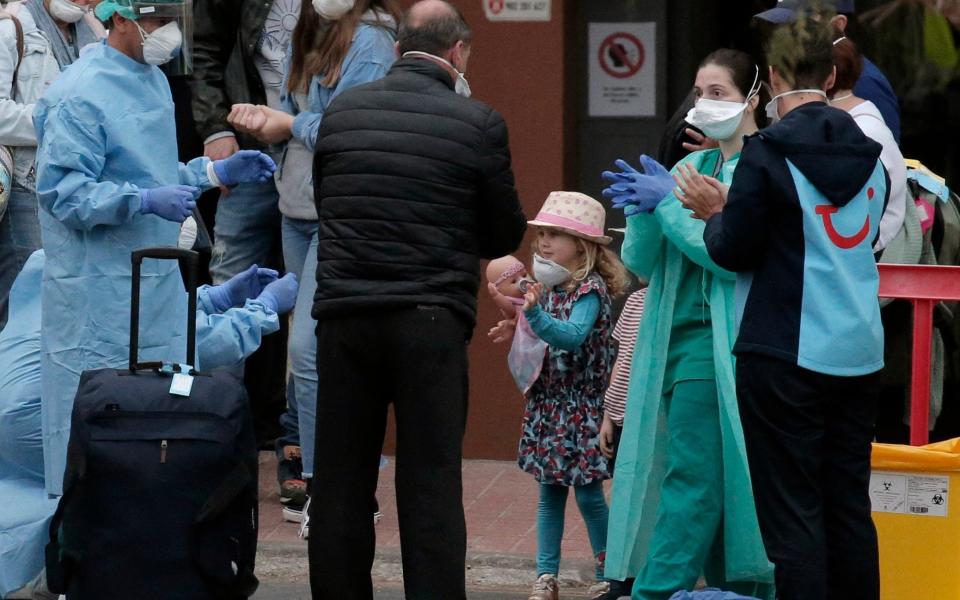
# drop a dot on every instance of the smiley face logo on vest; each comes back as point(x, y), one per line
point(826, 212)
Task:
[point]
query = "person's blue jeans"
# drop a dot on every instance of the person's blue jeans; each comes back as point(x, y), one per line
point(300, 255)
point(245, 229)
point(19, 238)
point(288, 423)
point(550, 516)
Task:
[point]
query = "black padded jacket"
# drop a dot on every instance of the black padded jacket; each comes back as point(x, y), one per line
point(413, 186)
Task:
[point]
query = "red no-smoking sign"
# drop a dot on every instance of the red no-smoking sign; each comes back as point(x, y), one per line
point(496, 6)
point(621, 55)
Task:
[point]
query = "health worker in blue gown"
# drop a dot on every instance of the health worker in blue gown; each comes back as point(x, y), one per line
point(109, 182)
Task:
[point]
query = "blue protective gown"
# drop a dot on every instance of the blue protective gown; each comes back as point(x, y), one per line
point(105, 130)
point(223, 340)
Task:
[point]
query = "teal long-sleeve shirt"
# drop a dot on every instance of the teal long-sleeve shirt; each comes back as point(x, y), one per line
point(570, 334)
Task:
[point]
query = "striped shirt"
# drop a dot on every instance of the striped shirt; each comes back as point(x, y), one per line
point(625, 332)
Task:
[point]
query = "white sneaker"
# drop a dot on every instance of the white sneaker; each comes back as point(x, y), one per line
point(305, 520)
point(293, 514)
point(546, 588)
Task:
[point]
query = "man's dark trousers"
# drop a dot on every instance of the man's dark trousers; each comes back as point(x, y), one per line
point(415, 358)
point(808, 438)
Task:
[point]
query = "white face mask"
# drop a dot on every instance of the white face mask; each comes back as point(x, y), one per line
point(773, 107)
point(162, 44)
point(720, 119)
point(66, 11)
point(332, 10)
point(460, 86)
point(549, 273)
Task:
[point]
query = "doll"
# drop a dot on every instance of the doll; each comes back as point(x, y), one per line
point(508, 282)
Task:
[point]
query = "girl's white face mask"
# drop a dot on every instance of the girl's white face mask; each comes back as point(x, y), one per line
point(720, 119)
point(773, 107)
point(549, 273)
point(461, 86)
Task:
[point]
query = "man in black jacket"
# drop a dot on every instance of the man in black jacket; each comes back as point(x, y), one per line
point(413, 186)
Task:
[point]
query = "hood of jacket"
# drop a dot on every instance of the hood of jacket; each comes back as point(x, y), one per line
point(828, 147)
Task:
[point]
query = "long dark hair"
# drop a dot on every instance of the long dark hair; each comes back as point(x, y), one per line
point(320, 46)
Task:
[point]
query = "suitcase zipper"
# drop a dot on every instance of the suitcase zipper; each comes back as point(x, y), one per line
point(163, 451)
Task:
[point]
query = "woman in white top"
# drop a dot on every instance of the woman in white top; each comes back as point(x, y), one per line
point(849, 63)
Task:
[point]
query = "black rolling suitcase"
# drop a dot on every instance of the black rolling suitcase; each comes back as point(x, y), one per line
point(160, 489)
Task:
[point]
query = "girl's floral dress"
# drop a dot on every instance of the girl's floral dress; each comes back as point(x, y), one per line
point(560, 442)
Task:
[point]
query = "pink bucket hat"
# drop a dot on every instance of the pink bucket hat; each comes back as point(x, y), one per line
point(574, 213)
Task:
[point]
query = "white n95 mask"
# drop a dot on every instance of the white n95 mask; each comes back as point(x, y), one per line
point(162, 44)
point(720, 119)
point(773, 107)
point(460, 86)
point(549, 273)
point(66, 11)
point(332, 10)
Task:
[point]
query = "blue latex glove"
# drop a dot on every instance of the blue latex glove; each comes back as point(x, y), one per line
point(245, 166)
point(637, 192)
point(172, 202)
point(247, 284)
point(281, 295)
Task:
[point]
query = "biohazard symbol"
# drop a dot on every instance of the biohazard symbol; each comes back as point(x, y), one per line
point(826, 212)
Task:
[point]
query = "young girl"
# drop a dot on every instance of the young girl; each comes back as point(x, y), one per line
point(570, 309)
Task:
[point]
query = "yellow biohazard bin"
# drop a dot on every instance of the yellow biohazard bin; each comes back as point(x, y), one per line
point(915, 493)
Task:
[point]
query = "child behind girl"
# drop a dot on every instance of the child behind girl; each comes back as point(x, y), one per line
point(569, 309)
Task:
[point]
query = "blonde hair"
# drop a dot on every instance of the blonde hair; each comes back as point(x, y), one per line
point(595, 257)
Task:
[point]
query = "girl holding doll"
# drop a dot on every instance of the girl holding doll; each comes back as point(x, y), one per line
point(569, 309)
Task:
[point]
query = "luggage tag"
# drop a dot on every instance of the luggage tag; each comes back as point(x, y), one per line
point(182, 382)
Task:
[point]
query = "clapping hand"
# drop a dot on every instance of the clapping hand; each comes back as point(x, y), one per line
point(637, 192)
point(703, 195)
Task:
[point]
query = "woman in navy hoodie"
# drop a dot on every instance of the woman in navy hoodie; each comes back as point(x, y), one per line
point(798, 227)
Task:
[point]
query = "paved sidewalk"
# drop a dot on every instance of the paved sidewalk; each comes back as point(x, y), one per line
point(500, 503)
point(499, 499)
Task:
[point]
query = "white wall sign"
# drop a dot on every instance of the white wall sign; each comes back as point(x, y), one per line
point(622, 66)
point(517, 10)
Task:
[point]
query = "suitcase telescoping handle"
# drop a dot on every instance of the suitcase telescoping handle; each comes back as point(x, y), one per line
point(192, 260)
